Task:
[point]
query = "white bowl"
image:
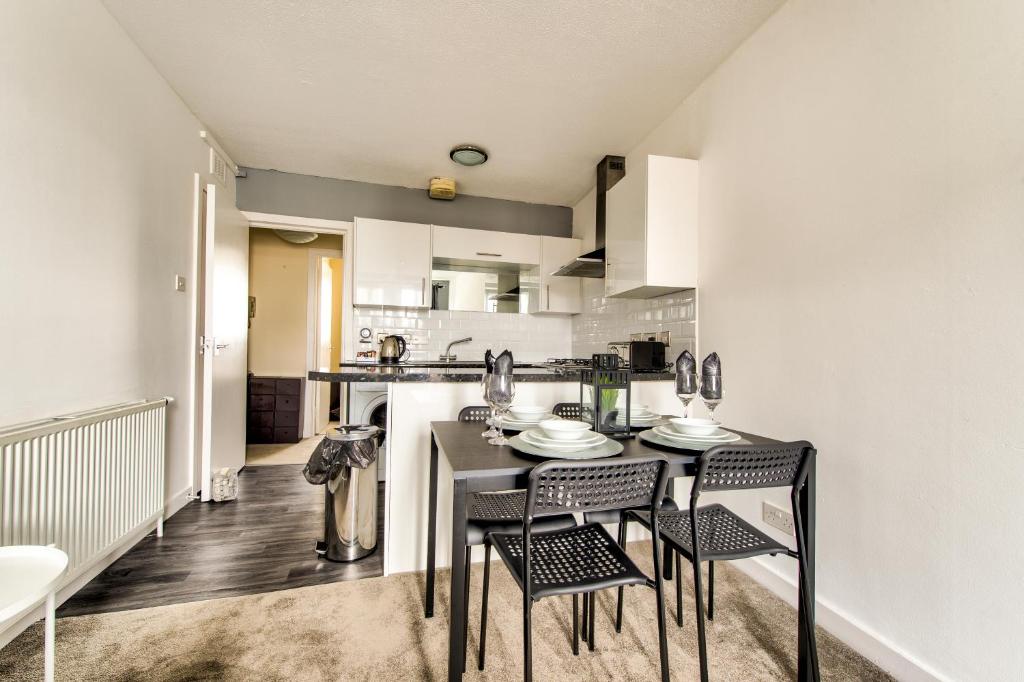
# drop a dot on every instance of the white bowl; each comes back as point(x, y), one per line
point(693, 426)
point(564, 429)
point(527, 413)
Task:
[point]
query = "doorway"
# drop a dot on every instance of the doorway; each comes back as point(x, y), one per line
point(296, 287)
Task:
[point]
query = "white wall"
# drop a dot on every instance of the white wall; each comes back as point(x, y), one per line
point(862, 230)
point(531, 338)
point(96, 201)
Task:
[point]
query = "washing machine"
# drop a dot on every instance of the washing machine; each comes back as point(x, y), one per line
point(368, 404)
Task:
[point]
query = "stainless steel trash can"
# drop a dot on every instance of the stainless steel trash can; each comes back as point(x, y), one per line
point(350, 493)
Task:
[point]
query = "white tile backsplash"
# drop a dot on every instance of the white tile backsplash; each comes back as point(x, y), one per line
point(530, 337)
point(605, 320)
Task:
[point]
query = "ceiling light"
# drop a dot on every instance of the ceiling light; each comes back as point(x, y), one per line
point(296, 237)
point(468, 155)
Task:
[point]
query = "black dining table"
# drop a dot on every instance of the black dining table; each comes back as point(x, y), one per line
point(478, 466)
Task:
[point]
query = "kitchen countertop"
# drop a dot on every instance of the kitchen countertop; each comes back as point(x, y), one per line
point(459, 373)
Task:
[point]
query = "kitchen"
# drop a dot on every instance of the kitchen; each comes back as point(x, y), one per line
point(816, 201)
point(405, 388)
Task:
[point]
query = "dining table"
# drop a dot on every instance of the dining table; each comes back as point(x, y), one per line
point(478, 466)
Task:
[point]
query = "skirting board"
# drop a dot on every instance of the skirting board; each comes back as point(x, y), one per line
point(857, 636)
point(171, 507)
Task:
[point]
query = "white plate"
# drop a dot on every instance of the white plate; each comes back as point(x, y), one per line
point(535, 437)
point(519, 424)
point(720, 437)
point(609, 448)
point(651, 436)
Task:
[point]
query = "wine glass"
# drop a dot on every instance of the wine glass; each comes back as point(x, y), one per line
point(491, 432)
point(711, 392)
point(501, 390)
point(686, 390)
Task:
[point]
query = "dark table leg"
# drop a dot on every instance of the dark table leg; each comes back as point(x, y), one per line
point(431, 529)
point(805, 671)
point(666, 570)
point(457, 618)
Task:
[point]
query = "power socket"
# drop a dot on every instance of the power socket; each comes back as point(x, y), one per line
point(777, 517)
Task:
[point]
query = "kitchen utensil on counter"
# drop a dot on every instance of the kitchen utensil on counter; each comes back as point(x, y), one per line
point(393, 349)
point(646, 356)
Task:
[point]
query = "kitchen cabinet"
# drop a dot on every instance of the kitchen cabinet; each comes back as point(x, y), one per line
point(556, 294)
point(391, 264)
point(651, 229)
point(461, 246)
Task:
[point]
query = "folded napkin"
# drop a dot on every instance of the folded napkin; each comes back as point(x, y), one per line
point(503, 364)
point(711, 367)
point(686, 363)
point(489, 361)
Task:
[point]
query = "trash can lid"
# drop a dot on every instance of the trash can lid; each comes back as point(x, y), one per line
point(349, 432)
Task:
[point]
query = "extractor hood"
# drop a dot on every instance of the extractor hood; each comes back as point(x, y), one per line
point(609, 171)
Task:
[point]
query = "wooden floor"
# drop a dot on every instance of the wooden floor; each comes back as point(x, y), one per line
point(261, 542)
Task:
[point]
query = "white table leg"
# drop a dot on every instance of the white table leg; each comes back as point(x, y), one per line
point(50, 635)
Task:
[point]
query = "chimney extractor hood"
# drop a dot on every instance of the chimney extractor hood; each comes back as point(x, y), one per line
point(610, 170)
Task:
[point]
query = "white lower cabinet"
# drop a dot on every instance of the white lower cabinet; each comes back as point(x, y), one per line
point(556, 294)
point(391, 263)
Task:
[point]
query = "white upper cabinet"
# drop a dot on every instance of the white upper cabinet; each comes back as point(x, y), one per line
point(556, 294)
point(461, 246)
point(391, 263)
point(651, 229)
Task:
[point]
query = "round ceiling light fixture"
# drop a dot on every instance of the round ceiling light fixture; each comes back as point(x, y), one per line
point(296, 236)
point(468, 155)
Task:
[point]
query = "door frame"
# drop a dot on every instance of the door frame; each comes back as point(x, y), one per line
point(347, 230)
point(313, 329)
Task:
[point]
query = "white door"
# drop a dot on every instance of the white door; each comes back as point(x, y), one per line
point(223, 336)
point(324, 325)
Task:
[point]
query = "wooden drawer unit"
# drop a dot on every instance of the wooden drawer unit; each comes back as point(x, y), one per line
point(275, 409)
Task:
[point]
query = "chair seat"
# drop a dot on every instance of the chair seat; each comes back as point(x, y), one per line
point(723, 535)
point(568, 561)
point(502, 512)
point(613, 516)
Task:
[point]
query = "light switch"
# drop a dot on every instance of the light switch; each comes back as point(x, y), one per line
point(179, 283)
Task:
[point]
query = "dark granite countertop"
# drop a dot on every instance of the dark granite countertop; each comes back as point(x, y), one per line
point(456, 374)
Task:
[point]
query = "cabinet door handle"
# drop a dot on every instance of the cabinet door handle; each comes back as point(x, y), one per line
point(548, 296)
point(423, 290)
point(484, 253)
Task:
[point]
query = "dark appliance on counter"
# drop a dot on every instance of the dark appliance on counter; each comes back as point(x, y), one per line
point(646, 356)
point(393, 350)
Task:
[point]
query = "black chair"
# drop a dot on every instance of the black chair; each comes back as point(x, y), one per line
point(724, 536)
point(567, 411)
point(574, 411)
point(495, 511)
point(582, 559)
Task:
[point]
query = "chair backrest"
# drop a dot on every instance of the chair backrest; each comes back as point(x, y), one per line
point(743, 467)
point(567, 410)
point(561, 487)
point(474, 413)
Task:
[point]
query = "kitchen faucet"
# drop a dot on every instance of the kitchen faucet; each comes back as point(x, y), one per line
point(448, 357)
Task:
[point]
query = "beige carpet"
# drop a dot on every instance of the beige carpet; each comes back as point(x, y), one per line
point(374, 629)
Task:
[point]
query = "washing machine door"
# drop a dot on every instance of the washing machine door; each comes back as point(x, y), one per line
point(376, 413)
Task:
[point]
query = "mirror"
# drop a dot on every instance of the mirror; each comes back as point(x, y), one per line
point(476, 289)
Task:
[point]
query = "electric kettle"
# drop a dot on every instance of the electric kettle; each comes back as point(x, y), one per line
point(392, 350)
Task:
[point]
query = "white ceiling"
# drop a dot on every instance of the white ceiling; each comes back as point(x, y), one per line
point(380, 91)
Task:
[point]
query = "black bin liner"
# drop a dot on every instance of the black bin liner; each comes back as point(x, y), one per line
point(331, 455)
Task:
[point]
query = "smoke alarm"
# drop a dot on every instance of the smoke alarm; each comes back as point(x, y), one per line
point(442, 188)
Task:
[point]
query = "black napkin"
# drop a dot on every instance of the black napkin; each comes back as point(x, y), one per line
point(711, 367)
point(489, 361)
point(686, 363)
point(503, 363)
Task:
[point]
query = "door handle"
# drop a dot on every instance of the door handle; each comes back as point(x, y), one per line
point(423, 290)
point(218, 347)
point(548, 297)
point(484, 253)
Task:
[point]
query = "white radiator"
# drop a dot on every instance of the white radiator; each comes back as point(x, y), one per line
point(83, 482)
